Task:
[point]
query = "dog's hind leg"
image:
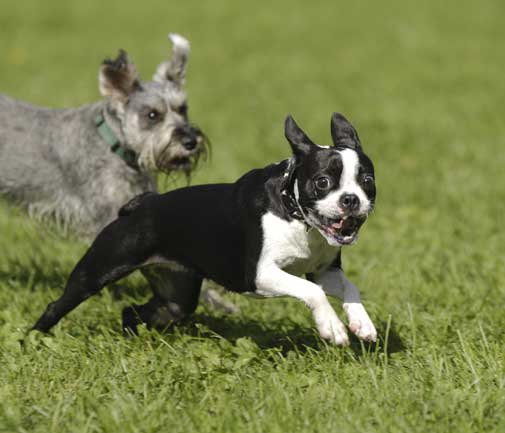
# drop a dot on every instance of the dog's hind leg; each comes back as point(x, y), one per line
point(116, 252)
point(176, 290)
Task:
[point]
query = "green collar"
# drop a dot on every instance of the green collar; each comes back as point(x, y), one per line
point(127, 155)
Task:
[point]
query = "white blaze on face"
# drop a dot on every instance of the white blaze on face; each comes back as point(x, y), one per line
point(329, 206)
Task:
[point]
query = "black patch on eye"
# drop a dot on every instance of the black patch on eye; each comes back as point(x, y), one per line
point(325, 163)
point(366, 176)
point(368, 180)
point(332, 169)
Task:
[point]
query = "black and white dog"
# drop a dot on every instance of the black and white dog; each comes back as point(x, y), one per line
point(261, 234)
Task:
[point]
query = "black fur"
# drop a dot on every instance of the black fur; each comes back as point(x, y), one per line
point(213, 230)
point(208, 231)
point(134, 203)
point(343, 133)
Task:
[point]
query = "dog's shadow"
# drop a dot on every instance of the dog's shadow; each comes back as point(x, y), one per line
point(283, 335)
point(288, 336)
point(272, 336)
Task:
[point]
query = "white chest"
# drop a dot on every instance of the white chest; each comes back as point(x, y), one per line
point(294, 249)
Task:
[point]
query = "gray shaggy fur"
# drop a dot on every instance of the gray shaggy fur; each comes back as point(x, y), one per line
point(56, 164)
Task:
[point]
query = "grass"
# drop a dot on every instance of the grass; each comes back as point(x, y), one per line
point(424, 85)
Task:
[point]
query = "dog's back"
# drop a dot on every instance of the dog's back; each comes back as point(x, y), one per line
point(23, 148)
point(39, 168)
point(54, 163)
point(134, 203)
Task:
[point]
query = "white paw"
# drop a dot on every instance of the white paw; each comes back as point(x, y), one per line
point(330, 326)
point(359, 322)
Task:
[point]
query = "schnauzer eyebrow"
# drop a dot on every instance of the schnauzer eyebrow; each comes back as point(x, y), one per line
point(177, 97)
point(159, 106)
point(179, 106)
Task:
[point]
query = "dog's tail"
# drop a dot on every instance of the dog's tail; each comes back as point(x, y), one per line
point(134, 203)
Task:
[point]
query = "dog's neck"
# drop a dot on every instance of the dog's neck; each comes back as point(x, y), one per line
point(109, 127)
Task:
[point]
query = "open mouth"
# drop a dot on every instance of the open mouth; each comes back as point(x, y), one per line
point(343, 229)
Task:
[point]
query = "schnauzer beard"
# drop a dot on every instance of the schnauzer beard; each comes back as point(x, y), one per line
point(171, 156)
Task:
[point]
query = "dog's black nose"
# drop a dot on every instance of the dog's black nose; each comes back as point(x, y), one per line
point(349, 201)
point(188, 137)
point(189, 143)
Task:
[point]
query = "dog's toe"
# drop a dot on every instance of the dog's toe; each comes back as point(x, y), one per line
point(360, 323)
point(331, 328)
point(365, 331)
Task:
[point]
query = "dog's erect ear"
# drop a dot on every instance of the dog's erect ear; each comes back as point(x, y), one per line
point(118, 78)
point(343, 133)
point(300, 143)
point(174, 70)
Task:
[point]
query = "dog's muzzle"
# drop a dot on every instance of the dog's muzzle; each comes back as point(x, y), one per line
point(189, 137)
point(187, 145)
point(340, 230)
point(344, 229)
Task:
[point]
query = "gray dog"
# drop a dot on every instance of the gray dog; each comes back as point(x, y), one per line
point(77, 167)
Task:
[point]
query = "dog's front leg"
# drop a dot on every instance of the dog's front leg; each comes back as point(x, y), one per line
point(335, 283)
point(273, 281)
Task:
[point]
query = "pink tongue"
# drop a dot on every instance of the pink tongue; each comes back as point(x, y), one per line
point(338, 225)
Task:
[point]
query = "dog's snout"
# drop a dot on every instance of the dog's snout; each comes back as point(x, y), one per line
point(189, 137)
point(349, 202)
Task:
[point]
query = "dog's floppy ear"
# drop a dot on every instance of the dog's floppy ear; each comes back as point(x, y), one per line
point(174, 70)
point(343, 133)
point(300, 143)
point(118, 78)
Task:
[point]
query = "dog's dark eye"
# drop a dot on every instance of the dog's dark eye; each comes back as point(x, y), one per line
point(153, 115)
point(368, 180)
point(322, 183)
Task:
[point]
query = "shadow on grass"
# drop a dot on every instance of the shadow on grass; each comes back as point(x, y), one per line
point(288, 336)
point(389, 342)
point(282, 334)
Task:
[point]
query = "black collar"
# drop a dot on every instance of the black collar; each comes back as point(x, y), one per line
point(288, 195)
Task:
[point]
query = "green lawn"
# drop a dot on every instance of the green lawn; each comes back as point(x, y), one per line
point(424, 84)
